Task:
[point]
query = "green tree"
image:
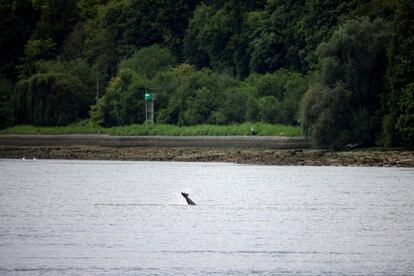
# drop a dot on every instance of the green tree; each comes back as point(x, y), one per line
point(149, 61)
point(17, 22)
point(34, 51)
point(400, 73)
point(219, 36)
point(6, 110)
point(192, 48)
point(134, 24)
point(200, 107)
point(405, 123)
point(269, 109)
point(74, 43)
point(327, 117)
point(123, 102)
point(47, 99)
point(89, 8)
point(99, 47)
point(57, 18)
point(286, 86)
point(352, 61)
point(211, 34)
point(191, 81)
point(76, 68)
point(252, 112)
point(233, 105)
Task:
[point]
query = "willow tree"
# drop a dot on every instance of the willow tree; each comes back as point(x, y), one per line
point(47, 99)
point(352, 67)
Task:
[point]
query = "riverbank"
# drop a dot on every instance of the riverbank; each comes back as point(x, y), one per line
point(300, 157)
point(84, 127)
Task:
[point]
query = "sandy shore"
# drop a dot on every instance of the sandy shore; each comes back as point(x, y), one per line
point(250, 150)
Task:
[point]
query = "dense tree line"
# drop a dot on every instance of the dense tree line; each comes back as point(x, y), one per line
point(342, 69)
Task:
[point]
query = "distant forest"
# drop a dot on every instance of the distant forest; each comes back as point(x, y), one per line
point(343, 70)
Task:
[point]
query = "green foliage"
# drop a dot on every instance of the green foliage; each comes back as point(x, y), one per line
point(35, 50)
point(286, 87)
point(56, 19)
point(326, 116)
point(356, 56)
point(73, 42)
point(246, 61)
point(269, 109)
point(186, 96)
point(98, 46)
point(80, 70)
point(219, 36)
point(215, 37)
point(89, 8)
point(123, 102)
point(400, 73)
point(50, 99)
point(140, 23)
point(166, 130)
point(149, 61)
point(76, 68)
point(193, 86)
point(405, 123)
point(200, 106)
point(17, 22)
point(6, 111)
point(233, 106)
point(267, 85)
point(194, 53)
point(268, 53)
point(353, 64)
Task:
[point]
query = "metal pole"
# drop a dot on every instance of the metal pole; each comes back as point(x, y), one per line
point(152, 113)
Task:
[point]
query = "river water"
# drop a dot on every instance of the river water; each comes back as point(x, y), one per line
point(60, 217)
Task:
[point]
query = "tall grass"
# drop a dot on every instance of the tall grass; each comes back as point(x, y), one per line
point(83, 127)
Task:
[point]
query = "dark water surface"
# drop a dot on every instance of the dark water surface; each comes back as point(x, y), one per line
point(129, 218)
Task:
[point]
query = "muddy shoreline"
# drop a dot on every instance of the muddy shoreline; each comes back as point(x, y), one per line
point(300, 157)
point(102, 140)
point(261, 150)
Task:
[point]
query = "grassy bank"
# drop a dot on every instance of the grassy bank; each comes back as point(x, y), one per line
point(163, 130)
